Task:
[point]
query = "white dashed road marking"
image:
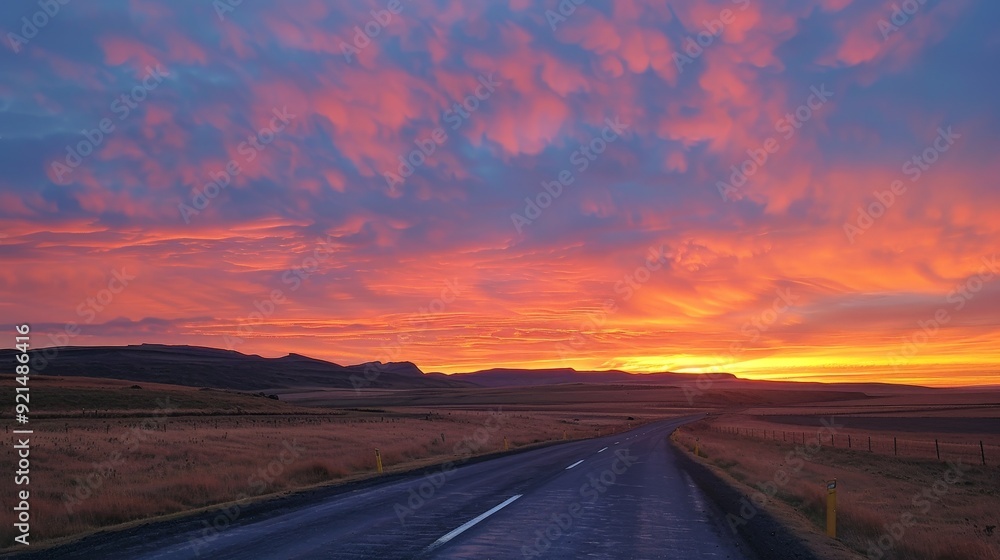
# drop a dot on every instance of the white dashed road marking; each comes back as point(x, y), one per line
point(469, 524)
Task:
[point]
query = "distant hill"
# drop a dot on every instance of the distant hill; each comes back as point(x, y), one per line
point(196, 366)
point(504, 377)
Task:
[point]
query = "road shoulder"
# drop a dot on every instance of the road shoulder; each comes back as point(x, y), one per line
point(759, 528)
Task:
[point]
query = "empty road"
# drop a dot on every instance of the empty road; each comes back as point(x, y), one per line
point(615, 497)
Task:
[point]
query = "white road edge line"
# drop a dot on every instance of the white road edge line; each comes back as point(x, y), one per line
point(470, 523)
point(602, 450)
point(574, 464)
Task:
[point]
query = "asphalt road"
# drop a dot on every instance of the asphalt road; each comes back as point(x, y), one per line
point(615, 497)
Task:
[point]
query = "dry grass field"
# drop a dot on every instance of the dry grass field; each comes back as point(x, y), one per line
point(105, 452)
point(889, 507)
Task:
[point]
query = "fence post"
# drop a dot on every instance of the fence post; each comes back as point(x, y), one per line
point(937, 449)
point(895, 449)
point(869, 444)
point(982, 451)
point(849, 446)
point(831, 508)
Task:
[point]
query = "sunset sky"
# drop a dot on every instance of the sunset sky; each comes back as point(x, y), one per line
point(865, 247)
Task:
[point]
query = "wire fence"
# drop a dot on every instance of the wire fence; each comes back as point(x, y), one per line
point(973, 452)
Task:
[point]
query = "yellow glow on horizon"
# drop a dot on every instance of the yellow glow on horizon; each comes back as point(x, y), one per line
point(932, 370)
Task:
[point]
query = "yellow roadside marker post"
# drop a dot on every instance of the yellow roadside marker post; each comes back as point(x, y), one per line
point(831, 508)
point(696, 454)
point(378, 461)
point(506, 445)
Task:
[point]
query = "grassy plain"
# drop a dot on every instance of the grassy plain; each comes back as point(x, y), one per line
point(108, 452)
point(889, 507)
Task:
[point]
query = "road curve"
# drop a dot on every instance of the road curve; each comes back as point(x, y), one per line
point(616, 497)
